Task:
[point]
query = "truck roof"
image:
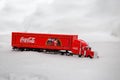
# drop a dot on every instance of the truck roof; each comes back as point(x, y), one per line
point(46, 34)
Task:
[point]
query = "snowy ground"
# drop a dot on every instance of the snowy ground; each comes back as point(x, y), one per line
point(40, 66)
point(95, 21)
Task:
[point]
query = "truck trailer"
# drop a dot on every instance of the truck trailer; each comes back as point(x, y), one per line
point(60, 43)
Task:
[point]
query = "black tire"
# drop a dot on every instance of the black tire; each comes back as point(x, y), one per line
point(67, 54)
point(71, 54)
point(40, 50)
point(14, 48)
point(62, 53)
point(21, 49)
point(27, 49)
point(79, 55)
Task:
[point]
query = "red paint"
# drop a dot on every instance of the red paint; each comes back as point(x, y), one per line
point(51, 42)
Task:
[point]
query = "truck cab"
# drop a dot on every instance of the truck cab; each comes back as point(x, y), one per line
point(82, 49)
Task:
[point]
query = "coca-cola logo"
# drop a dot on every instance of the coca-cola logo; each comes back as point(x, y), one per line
point(27, 40)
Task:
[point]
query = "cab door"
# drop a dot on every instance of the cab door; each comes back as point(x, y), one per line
point(76, 47)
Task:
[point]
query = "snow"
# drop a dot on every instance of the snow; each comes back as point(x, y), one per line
point(28, 65)
point(95, 21)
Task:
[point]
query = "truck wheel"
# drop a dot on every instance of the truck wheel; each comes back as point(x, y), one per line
point(21, 49)
point(79, 55)
point(14, 48)
point(67, 54)
point(62, 53)
point(71, 54)
point(26, 49)
point(39, 50)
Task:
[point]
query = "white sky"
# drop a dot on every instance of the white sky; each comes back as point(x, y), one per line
point(59, 15)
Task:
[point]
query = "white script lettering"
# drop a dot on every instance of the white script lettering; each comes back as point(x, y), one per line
point(27, 40)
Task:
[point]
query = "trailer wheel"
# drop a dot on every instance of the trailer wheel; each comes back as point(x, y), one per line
point(62, 53)
point(68, 54)
point(71, 54)
point(27, 49)
point(40, 50)
point(21, 49)
point(14, 48)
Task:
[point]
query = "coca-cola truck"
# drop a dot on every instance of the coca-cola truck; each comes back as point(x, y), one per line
point(60, 43)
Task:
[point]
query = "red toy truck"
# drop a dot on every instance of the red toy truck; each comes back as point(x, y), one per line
point(60, 43)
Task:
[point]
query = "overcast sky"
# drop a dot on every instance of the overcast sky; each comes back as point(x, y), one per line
point(60, 15)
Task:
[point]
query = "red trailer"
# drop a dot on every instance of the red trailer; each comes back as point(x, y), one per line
point(61, 43)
